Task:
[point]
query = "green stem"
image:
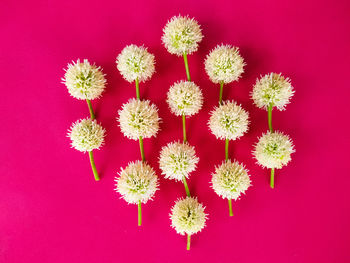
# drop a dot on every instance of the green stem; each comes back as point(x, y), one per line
point(188, 242)
point(186, 186)
point(269, 113)
point(137, 88)
point(139, 214)
point(221, 89)
point(184, 128)
point(142, 149)
point(92, 114)
point(186, 66)
point(93, 166)
point(226, 149)
point(272, 178)
point(230, 207)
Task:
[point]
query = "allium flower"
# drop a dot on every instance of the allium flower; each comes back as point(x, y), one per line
point(137, 182)
point(139, 118)
point(135, 63)
point(230, 180)
point(273, 150)
point(182, 35)
point(86, 135)
point(177, 160)
point(185, 98)
point(228, 121)
point(84, 81)
point(224, 64)
point(187, 216)
point(272, 89)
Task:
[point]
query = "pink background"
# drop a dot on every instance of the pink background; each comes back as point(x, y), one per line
point(51, 209)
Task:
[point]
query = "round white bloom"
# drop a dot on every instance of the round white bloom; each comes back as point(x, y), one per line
point(228, 121)
point(137, 182)
point(224, 64)
point(187, 216)
point(230, 180)
point(182, 34)
point(135, 63)
point(185, 98)
point(273, 150)
point(86, 135)
point(272, 89)
point(84, 81)
point(177, 160)
point(139, 118)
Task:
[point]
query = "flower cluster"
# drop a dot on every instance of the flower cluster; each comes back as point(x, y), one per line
point(137, 183)
point(86, 135)
point(139, 118)
point(273, 150)
point(224, 64)
point(182, 35)
point(230, 180)
point(177, 160)
point(272, 90)
point(84, 80)
point(188, 216)
point(185, 98)
point(135, 63)
point(228, 121)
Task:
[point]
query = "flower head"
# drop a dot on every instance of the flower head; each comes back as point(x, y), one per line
point(137, 182)
point(224, 64)
point(177, 160)
point(230, 180)
point(135, 63)
point(182, 35)
point(187, 216)
point(84, 81)
point(272, 89)
point(185, 98)
point(86, 135)
point(139, 118)
point(273, 150)
point(228, 121)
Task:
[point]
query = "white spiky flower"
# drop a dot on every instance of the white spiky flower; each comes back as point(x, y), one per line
point(84, 80)
point(139, 118)
point(228, 121)
point(224, 64)
point(182, 35)
point(177, 160)
point(86, 135)
point(230, 180)
point(137, 182)
point(272, 89)
point(273, 150)
point(188, 216)
point(135, 63)
point(185, 98)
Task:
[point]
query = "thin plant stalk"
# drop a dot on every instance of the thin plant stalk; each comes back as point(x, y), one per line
point(188, 242)
point(92, 114)
point(139, 213)
point(93, 166)
point(187, 68)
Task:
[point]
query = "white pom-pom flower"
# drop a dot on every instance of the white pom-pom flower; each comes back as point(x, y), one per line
point(273, 150)
point(230, 180)
point(177, 160)
point(182, 35)
point(224, 64)
point(135, 63)
point(188, 216)
point(139, 118)
point(228, 121)
point(272, 89)
point(137, 183)
point(84, 80)
point(185, 98)
point(86, 135)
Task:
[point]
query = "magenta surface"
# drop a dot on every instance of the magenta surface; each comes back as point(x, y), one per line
point(51, 209)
